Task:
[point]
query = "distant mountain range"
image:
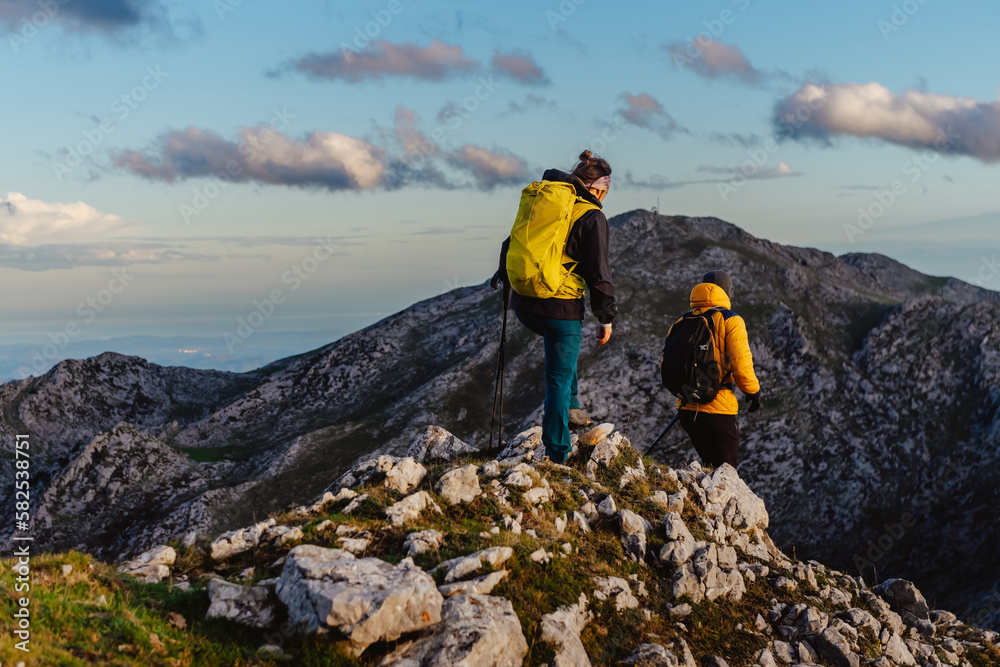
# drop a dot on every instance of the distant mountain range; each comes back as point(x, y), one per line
point(876, 448)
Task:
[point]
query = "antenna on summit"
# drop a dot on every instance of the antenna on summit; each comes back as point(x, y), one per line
point(656, 209)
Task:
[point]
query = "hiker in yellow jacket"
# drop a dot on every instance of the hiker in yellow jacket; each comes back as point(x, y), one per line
point(712, 427)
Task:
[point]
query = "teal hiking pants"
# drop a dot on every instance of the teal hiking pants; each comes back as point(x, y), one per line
point(562, 348)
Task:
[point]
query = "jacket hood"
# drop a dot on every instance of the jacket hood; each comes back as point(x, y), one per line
point(563, 177)
point(709, 295)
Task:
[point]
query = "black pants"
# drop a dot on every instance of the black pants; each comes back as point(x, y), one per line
point(716, 438)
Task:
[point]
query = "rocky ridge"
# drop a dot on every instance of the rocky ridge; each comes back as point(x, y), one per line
point(877, 448)
point(514, 560)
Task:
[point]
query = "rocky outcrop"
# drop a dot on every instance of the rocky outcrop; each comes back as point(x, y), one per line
point(475, 630)
point(437, 444)
point(367, 600)
point(249, 605)
point(152, 566)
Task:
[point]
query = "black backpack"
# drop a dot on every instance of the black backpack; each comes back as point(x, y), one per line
point(690, 366)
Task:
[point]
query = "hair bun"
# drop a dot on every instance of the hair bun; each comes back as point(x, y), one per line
point(586, 156)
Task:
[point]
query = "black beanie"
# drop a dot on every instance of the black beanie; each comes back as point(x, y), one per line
point(720, 278)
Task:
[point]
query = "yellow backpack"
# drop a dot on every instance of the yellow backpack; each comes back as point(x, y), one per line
point(537, 263)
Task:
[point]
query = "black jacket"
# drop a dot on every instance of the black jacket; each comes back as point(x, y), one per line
point(587, 243)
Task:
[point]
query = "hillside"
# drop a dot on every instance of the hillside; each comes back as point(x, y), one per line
point(876, 448)
point(444, 558)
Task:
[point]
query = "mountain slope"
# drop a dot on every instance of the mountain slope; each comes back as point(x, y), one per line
point(879, 385)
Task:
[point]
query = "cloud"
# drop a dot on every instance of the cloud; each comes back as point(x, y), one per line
point(735, 138)
point(781, 171)
point(914, 119)
point(26, 221)
point(531, 101)
point(714, 60)
point(488, 168)
point(435, 62)
point(70, 255)
point(520, 66)
point(107, 15)
point(429, 163)
point(324, 160)
point(645, 111)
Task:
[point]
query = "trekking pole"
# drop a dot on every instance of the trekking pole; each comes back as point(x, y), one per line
point(662, 433)
point(498, 383)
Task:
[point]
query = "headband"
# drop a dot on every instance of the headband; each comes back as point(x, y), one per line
point(603, 183)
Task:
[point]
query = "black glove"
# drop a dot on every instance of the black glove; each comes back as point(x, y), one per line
point(754, 400)
point(495, 280)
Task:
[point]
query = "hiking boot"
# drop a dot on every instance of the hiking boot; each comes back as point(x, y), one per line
point(578, 418)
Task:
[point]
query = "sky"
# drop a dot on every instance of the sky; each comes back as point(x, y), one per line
point(224, 183)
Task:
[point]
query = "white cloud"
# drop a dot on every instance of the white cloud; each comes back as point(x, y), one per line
point(915, 119)
point(26, 222)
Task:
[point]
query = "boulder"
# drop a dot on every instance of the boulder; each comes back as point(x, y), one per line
point(680, 542)
point(475, 630)
point(728, 496)
point(562, 629)
point(237, 541)
point(460, 485)
point(616, 589)
point(633, 534)
point(435, 443)
point(896, 651)
point(244, 604)
point(479, 586)
point(651, 655)
point(405, 476)
point(151, 567)
point(607, 508)
point(410, 507)
point(831, 645)
point(904, 598)
point(423, 541)
point(366, 600)
point(456, 568)
point(523, 444)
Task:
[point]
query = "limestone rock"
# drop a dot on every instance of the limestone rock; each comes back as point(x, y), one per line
point(562, 629)
point(237, 541)
point(423, 541)
point(152, 566)
point(633, 534)
point(479, 586)
point(460, 485)
point(607, 508)
point(897, 651)
point(904, 598)
point(617, 589)
point(521, 476)
point(537, 495)
point(651, 655)
point(243, 604)
point(475, 630)
point(435, 443)
point(457, 568)
point(366, 600)
point(680, 542)
point(832, 646)
point(728, 496)
point(410, 507)
point(523, 444)
point(405, 476)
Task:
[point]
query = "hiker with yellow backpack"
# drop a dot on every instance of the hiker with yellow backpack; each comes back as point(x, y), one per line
point(557, 247)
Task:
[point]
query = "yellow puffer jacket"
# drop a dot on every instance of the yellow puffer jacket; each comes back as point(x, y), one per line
point(731, 337)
